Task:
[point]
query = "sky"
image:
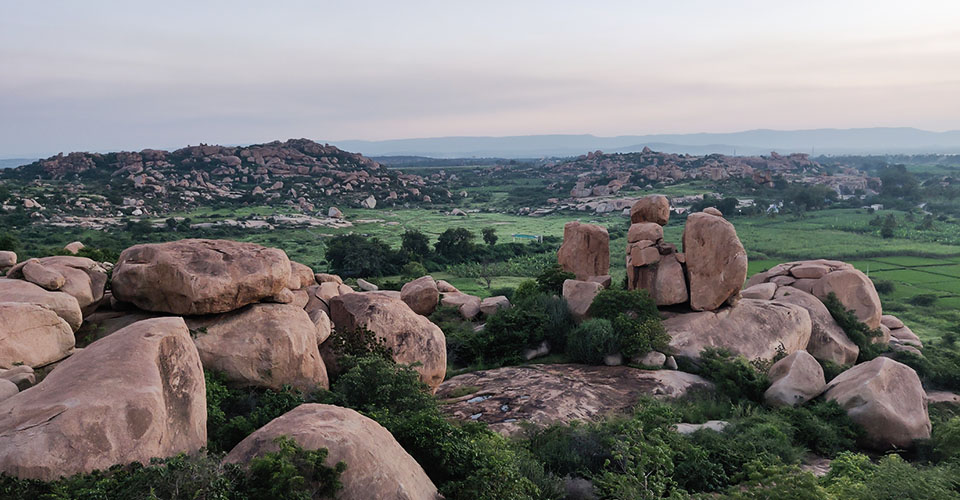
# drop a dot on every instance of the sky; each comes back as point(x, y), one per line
point(108, 75)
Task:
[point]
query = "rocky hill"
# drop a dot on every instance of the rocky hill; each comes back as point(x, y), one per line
point(297, 172)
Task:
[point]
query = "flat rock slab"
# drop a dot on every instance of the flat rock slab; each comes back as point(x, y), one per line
point(545, 394)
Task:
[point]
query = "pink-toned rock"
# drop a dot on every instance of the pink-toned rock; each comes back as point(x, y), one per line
point(645, 231)
point(300, 298)
point(716, 261)
point(74, 247)
point(324, 326)
point(763, 291)
point(809, 271)
point(783, 280)
point(324, 277)
point(301, 276)
point(794, 380)
point(491, 305)
point(445, 287)
point(377, 466)
point(891, 322)
point(579, 295)
point(129, 397)
point(411, 337)
point(669, 285)
point(66, 306)
point(84, 279)
point(199, 276)
point(855, 291)
point(640, 256)
point(887, 399)
point(32, 335)
point(713, 211)
point(38, 274)
point(585, 251)
point(421, 295)
point(653, 208)
point(828, 342)
point(7, 259)
point(468, 305)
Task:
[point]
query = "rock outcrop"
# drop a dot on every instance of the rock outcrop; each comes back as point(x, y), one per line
point(716, 261)
point(468, 305)
point(66, 306)
point(80, 277)
point(585, 251)
point(421, 295)
point(377, 466)
point(653, 208)
point(828, 342)
point(579, 295)
point(135, 395)
point(411, 337)
point(887, 399)
point(191, 277)
point(32, 335)
point(794, 380)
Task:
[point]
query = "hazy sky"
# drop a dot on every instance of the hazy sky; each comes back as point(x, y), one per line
point(106, 75)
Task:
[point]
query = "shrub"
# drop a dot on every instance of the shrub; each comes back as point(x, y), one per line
point(591, 341)
point(823, 427)
point(884, 287)
point(608, 304)
point(734, 376)
point(939, 367)
point(508, 332)
point(525, 291)
point(292, 472)
point(551, 279)
point(892, 478)
point(923, 300)
point(946, 440)
point(559, 321)
point(357, 342)
point(639, 337)
point(856, 331)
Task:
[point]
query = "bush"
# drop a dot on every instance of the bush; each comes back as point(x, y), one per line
point(923, 300)
point(939, 367)
point(525, 291)
point(823, 427)
point(884, 287)
point(508, 332)
point(294, 473)
point(639, 337)
point(856, 331)
point(551, 279)
point(358, 342)
point(559, 321)
point(734, 376)
point(853, 476)
point(608, 304)
point(591, 341)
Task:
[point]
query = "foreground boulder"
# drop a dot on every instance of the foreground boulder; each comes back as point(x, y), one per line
point(752, 328)
point(80, 277)
point(132, 396)
point(579, 296)
point(411, 337)
point(191, 277)
point(716, 261)
point(468, 305)
point(262, 345)
point(585, 251)
point(506, 397)
point(421, 295)
point(66, 306)
point(377, 467)
point(795, 379)
point(887, 399)
point(828, 342)
point(32, 335)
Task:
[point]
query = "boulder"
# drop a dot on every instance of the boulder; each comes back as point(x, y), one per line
point(468, 305)
point(366, 286)
point(716, 261)
point(300, 298)
point(855, 291)
point(445, 287)
point(491, 305)
point(794, 380)
point(74, 247)
point(763, 291)
point(324, 277)
point(828, 342)
point(132, 396)
point(650, 231)
point(334, 213)
point(284, 297)
point(652, 208)
point(411, 337)
point(36, 273)
point(752, 328)
point(66, 306)
point(7, 259)
point(713, 211)
point(22, 376)
point(421, 295)
point(652, 359)
point(605, 281)
point(579, 295)
point(191, 277)
point(301, 276)
point(324, 326)
point(377, 466)
point(669, 285)
point(82, 278)
point(809, 271)
point(8, 389)
point(891, 322)
point(262, 345)
point(712, 425)
point(585, 251)
point(505, 398)
point(32, 335)
point(887, 399)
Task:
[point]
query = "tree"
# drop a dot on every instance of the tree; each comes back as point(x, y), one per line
point(889, 226)
point(489, 236)
point(896, 182)
point(415, 244)
point(354, 255)
point(455, 244)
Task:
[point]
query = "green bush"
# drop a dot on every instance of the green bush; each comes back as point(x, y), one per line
point(358, 342)
point(292, 472)
point(559, 321)
point(852, 476)
point(525, 291)
point(939, 367)
point(923, 299)
point(591, 341)
point(822, 427)
point(551, 279)
point(508, 332)
point(610, 303)
point(734, 376)
point(856, 331)
point(640, 336)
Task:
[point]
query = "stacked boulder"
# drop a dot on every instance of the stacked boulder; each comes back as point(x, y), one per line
point(585, 252)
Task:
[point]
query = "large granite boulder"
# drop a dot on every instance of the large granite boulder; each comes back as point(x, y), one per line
point(653, 208)
point(262, 345)
point(828, 342)
point(377, 466)
point(468, 305)
point(80, 277)
point(716, 261)
point(301, 276)
point(421, 295)
point(795, 379)
point(752, 328)
point(585, 251)
point(32, 335)
point(887, 399)
point(505, 398)
point(411, 337)
point(191, 277)
point(132, 396)
point(66, 306)
point(579, 296)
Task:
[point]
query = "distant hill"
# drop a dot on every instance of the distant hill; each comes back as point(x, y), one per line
point(15, 162)
point(900, 140)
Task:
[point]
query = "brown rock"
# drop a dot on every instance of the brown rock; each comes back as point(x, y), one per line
point(752, 328)
point(645, 231)
point(828, 342)
point(199, 276)
point(64, 305)
point(8, 389)
point(7, 259)
point(324, 326)
point(653, 208)
point(262, 345)
point(421, 295)
point(579, 295)
point(38, 274)
point(763, 291)
point(74, 247)
point(669, 285)
point(794, 380)
point(135, 395)
point(300, 298)
point(585, 250)
point(855, 291)
point(605, 281)
point(891, 322)
point(324, 277)
point(491, 305)
point(713, 211)
point(716, 261)
point(377, 466)
point(412, 337)
point(301, 276)
point(85, 279)
point(505, 398)
point(445, 287)
point(32, 335)
point(887, 399)
point(809, 271)
point(468, 305)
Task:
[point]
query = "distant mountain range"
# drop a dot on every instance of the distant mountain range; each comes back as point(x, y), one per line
point(15, 162)
point(900, 140)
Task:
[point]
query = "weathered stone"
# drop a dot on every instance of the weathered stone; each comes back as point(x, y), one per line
point(199, 276)
point(752, 328)
point(262, 345)
point(411, 337)
point(828, 342)
point(74, 247)
point(421, 295)
point(763, 291)
point(301, 276)
point(32, 335)
point(855, 291)
point(716, 261)
point(579, 295)
point(887, 399)
point(377, 466)
point(713, 425)
point(468, 305)
point(445, 287)
point(585, 250)
point(66, 306)
point(713, 211)
point(891, 322)
point(38, 274)
point(7, 259)
point(669, 285)
point(366, 286)
point(794, 380)
point(22, 376)
point(652, 208)
point(491, 305)
point(324, 326)
point(809, 271)
point(132, 396)
point(650, 231)
point(324, 277)
point(652, 359)
point(546, 394)
point(605, 281)
point(8, 389)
